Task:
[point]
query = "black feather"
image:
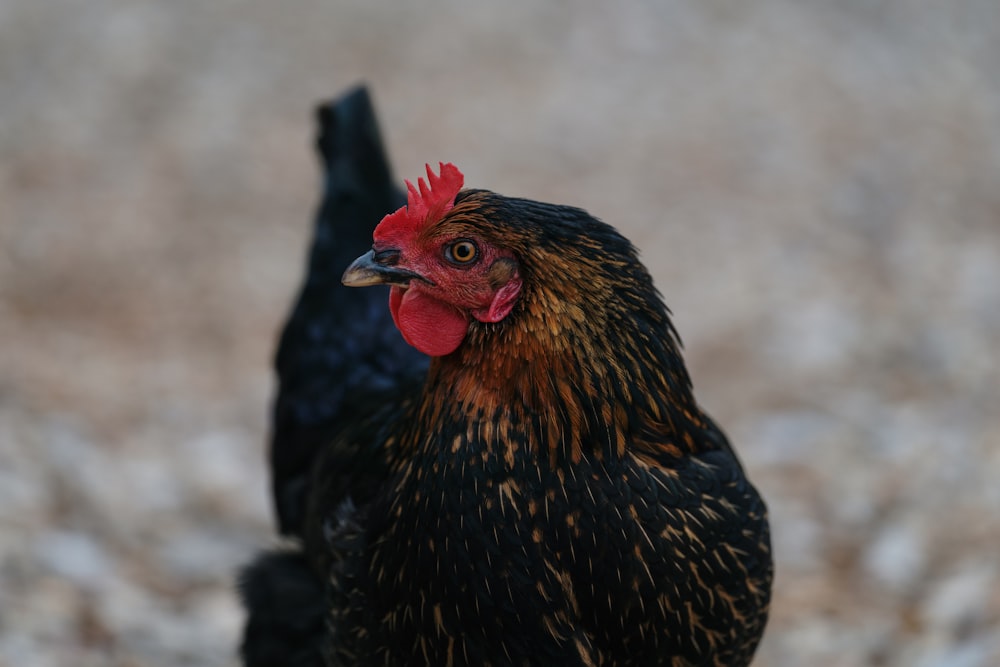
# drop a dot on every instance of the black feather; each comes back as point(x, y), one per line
point(337, 341)
point(286, 612)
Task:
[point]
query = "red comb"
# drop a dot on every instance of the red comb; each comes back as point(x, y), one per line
point(425, 203)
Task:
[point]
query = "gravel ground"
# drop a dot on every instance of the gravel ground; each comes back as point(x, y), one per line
point(815, 185)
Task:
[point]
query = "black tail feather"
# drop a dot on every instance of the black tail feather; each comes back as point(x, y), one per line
point(337, 340)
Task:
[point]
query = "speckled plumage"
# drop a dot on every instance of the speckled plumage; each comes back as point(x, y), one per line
point(550, 493)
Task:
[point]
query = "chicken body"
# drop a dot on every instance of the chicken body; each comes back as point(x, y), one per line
point(547, 493)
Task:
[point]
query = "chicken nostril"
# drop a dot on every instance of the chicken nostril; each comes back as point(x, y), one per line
point(388, 257)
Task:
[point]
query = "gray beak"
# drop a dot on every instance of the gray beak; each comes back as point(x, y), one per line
point(378, 268)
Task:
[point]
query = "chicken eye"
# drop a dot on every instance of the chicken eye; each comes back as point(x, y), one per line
point(461, 252)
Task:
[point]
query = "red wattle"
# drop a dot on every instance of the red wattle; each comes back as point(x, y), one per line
point(432, 326)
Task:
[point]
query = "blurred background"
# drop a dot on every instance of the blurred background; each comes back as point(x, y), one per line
point(815, 186)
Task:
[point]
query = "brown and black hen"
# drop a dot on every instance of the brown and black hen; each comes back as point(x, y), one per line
point(546, 492)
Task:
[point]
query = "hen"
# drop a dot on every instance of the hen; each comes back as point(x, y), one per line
point(546, 492)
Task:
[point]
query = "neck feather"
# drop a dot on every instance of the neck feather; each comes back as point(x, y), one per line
point(589, 370)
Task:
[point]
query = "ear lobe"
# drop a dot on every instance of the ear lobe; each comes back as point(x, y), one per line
point(503, 302)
